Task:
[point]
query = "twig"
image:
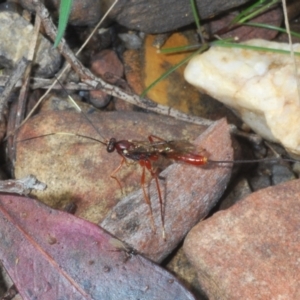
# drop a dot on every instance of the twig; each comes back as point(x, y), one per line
point(21, 186)
point(23, 95)
point(10, 84)
point(26, 78)
point(43, 83)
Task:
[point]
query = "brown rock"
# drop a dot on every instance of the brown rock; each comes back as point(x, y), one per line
point(251, 250)
point(220, 27)
point(189, 193)
point(107, 65)
point(159, 17)
point(98, 98)
point(78, 170)
point(133, 70)
point(84, 12)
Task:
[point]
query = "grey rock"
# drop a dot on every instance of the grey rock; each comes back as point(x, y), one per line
point(162, 16)
point(15, 39)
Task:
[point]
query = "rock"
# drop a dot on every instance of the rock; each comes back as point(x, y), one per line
point(223, 26)
point(281, 173)
point(190, 193)
point(133, 70)
point(251, 250)
point(15, 37)
point(163, 16)
point(83, 13)
point(270, 173)
point(240, 189)
point(78, 170)
point(108, 66)
point(260, 86)
point(183, 270)
point(100, 40)
point(158, 17)
point(11, 6)
point(131, 40)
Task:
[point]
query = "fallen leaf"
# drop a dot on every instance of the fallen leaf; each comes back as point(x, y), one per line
point(51, 254)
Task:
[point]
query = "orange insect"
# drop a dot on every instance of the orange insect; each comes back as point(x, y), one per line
point(147, 152)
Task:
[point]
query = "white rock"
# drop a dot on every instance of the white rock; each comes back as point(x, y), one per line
point(260, 86)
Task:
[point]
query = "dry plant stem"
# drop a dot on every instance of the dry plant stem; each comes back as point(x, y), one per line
point(43, 83)
point(21, 105)
point(11, 82)
point(21, 186)
point(25, 85)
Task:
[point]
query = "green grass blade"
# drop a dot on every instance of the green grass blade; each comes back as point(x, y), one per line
point(247, 11)
point(250, 12)
point(179, 49)
point(195, 14)
point(268, 26)
point(64, 14)
point(197, 20)
point(250, 47)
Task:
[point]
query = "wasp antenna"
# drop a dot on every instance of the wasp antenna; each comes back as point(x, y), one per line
point(90, 138)
point(36, 137)
point(62, 133)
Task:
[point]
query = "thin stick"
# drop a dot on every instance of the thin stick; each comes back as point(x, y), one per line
point(96, 28)
point(43, 83)
point(21, 105)
point(10, 84)
point(25, 85)
point(21, 186)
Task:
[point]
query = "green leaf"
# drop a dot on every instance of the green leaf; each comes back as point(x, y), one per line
point(64, 13)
